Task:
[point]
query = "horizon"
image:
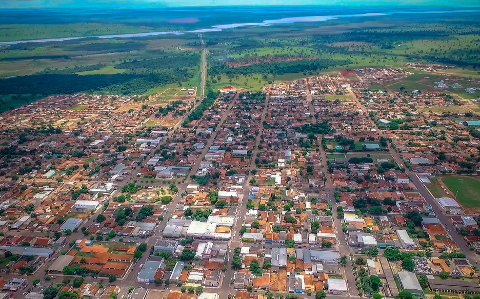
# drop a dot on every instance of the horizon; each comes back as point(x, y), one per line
point(142, 4)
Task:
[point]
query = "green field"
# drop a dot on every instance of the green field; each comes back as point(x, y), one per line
point(79, 107)
point(465, 189)
point(343, 97)
point(435, 188)
point(28, 31)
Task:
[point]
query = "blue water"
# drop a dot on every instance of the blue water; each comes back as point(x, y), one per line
point(217, 28)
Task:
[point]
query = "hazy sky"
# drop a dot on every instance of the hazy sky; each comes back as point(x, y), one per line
point(172, 3)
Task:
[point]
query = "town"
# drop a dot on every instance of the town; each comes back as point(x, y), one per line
point(331, 186)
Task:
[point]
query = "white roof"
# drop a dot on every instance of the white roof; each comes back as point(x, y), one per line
point(227, 194)
point(337, 284)
point(448, 202)
point(403, 235)
point(86, 203)
point(208, 296)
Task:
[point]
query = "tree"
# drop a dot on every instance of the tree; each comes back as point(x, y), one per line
point(408, 264)
point(256, 224)
point(343, 260)
point(77, 282)
point(50, 292)
point(326, 244)
point(267, 264)
point(405, 295)
point(100, 218)
point(437, 296)
point(35, 282)
point(67, 295)
point(444, 275)
point(423, 280)
point(375, 282)
point(187, 255)
point(199, 290)
point(361, 261)
point(142, 247)
point(112, 278)
point(377, 296)
point(320, 295)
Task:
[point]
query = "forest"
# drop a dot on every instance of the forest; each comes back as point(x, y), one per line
point(279, 68)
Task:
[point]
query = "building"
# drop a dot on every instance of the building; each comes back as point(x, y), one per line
point(241, 280)
point(405, 239)
point(455, 286)
point(71, 224)
point(149, 271)
point(337, 286)
point(177, 271)
point(214, 279)
point(208, 296)
point(450, 205)
point(20, 222)
point(30, 251)
point(279, 258)
point(409, 283)
point(85, 205)
point(61, 262)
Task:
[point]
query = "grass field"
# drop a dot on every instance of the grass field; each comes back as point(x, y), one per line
point(107, 70)
point(465, 189)
point(79, 107)
point(343, 97)
point(435, 188)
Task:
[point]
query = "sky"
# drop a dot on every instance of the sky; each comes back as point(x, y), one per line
point(175, 3)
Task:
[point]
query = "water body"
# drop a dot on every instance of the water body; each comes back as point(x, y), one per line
point(222, 27)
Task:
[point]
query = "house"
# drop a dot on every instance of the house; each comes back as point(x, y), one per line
point(241, 280)
point(279, 258)
point(214, 279)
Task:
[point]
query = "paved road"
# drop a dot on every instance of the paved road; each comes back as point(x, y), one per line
point(236, 240)
point(343, 247)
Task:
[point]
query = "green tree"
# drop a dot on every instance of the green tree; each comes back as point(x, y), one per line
point(444, 275)
point(405, 295)
point(320, 294)
point(77, 282)
point(408, 264)
point(100, 218)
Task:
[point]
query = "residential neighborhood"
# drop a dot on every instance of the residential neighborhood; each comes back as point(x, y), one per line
point(310, 188)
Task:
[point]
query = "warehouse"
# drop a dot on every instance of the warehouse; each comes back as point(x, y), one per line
point(409, 283)
point(85, 205)
point(405, 239)
point(450, 205)
point(457, 286)
point(71, 224)
point(28, 251)
point(61, 262)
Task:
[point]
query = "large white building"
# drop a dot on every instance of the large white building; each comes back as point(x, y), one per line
point(450, 205)
point(85, 205)
point(405, 239)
